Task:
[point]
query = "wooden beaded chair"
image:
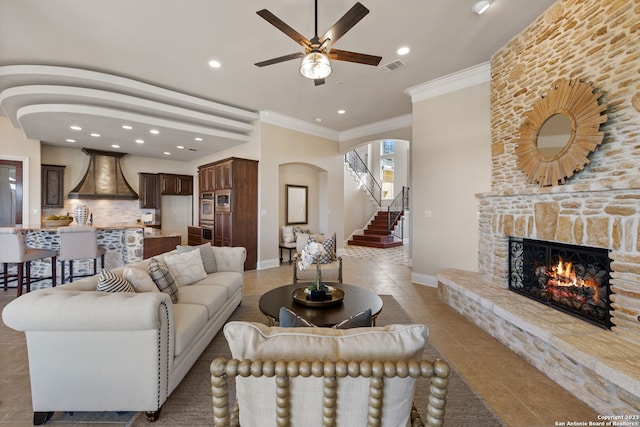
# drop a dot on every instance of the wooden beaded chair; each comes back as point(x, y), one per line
point(329, 371)
point(370, 381)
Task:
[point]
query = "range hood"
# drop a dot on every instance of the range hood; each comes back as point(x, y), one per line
point(104, 178)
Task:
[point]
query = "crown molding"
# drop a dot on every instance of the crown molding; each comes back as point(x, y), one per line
point(292, 123)
point(472, 76)
point(377, 127)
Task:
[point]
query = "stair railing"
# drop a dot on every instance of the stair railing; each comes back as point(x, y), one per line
point(395, 210)
point(355, 162)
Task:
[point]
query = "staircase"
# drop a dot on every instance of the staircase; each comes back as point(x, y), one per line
point(376, 234)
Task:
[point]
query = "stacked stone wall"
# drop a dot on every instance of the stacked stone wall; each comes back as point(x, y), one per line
point(597, 41)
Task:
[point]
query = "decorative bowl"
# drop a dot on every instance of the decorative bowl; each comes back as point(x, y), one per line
point(56, 222)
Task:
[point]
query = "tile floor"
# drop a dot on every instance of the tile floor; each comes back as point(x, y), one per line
point(520, 394)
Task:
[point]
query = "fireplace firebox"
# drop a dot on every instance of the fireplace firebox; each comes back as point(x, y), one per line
point(570, 278)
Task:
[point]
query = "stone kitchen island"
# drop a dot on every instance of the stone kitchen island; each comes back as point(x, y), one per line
point(124, 244)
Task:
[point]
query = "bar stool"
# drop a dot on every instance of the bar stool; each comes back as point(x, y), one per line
point(13, 251)
point(76, 243)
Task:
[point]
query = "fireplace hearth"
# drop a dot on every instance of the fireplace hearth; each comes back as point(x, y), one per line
point(570, 278)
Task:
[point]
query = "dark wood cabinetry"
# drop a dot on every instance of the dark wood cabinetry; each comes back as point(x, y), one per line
point(153, 246)
point(52, 186)
point(176, 185)
point(193, 236)
point(236, 224)
point(149, 190)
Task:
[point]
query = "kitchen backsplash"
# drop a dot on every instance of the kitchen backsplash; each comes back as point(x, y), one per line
point(105, 212)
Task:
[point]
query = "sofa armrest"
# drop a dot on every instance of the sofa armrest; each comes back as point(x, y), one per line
point(56, 309)
point(230, 258)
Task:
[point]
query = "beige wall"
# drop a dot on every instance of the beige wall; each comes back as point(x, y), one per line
point(14, 146)
point(450, 157)
point(300, 174)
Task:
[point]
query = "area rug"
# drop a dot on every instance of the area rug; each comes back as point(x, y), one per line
point(190, 403)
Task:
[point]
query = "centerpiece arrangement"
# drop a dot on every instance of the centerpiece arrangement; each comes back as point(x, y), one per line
point(311, 254)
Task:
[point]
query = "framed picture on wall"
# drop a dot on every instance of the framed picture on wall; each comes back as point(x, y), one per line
point(296, 204)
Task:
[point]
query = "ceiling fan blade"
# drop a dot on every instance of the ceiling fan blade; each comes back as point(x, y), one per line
point(344, 24)
point(318, 82)
point(280, 59)
point(360, 58)
point(282, 26)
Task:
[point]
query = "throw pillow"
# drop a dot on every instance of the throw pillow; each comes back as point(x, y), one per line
point(186, 267)
point(139, 279)
point(289, 319)
point(206, 252)
point(327, 244)
point(287, 234)
point(111, 282)
point(163, 279)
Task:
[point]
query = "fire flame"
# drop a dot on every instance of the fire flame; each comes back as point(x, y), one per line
point(563, 275)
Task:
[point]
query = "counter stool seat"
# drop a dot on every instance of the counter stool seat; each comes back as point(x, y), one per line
point(14, 251)
point(79, 243)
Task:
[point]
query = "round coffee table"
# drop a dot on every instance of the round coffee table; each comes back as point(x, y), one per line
point(356, 300)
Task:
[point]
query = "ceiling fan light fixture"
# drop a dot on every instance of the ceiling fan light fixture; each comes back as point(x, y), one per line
point(481, 6)
point(315, 65)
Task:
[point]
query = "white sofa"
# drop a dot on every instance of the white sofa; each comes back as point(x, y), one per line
point(99, 351)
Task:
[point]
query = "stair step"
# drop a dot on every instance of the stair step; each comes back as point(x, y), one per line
point(380, 245)
point(372, 238)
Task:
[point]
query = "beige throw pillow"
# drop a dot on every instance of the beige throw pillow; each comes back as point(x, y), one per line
point(186, 268)
point(139, 279)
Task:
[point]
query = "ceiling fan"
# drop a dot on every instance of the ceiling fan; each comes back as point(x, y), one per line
point(317, 51)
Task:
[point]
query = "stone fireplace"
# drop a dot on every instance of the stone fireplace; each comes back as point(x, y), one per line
point(599, 206)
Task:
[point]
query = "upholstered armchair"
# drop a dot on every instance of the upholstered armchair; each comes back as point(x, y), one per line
point(331, 271)
point(326, 377)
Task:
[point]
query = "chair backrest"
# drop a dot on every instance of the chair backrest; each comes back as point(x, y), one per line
point(323, 376)
point(78, 242)
point(12, 247)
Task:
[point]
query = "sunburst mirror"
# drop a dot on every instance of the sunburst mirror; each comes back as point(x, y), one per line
point(560, 131)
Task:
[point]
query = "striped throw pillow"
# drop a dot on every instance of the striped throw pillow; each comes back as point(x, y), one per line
point(163, 279)
point(206, 252)
point(111, 282)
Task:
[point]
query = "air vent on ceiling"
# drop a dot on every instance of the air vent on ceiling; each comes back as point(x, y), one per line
point(392, 66)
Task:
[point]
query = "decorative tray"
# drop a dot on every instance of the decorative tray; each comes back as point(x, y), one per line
point(56, 222)
point(299, 296)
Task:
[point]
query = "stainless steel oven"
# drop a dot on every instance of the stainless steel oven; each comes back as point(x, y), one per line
point(207, 209)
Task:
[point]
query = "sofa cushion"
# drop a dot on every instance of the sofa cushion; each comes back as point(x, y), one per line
point(111, 282)
point(139, 279)
point(186, 267)
point(206, 252)
point(230, 280)
point(190, 319)
point(163, 279)
point(211, 296)
point(249, 340)
point(287, 234)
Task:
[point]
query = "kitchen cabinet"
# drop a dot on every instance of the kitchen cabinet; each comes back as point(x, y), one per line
point(157, 245)
point(223, 226)
point(224, 175)
point(176, 185)
point(149, 190)
point(52, 186)
point(193, 236)
point(206, 178)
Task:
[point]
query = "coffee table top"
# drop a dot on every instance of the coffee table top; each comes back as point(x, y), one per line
point(356, 300)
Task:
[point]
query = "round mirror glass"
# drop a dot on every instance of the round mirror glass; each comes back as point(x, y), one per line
point(554, 135)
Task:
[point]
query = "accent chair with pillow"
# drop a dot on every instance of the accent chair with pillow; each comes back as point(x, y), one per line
point(331, 265)
point(311, 376)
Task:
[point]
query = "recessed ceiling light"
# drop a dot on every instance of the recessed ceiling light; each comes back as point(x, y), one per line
point(341, 111)
point(215, 64)
point(403, 50)
point(318, 119)
point(481, 6)
point(127, 127)
point(95, 135)
point(75, 127)
point(139, 141)
point(115, 146)
point(70, 140)
point(197, 138)
point(154, 131)
point(180, 147)
point(167, 153)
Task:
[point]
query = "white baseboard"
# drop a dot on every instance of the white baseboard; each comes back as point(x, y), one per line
point(270, 263)
point(424, 279)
